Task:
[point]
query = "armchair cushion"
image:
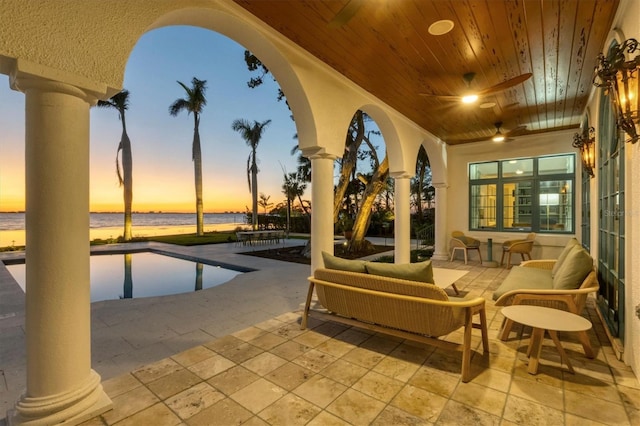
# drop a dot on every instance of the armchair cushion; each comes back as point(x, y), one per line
point(468, 241)
point(521, 277)
point(334, 262)
point(420, 271)
point(567, 248)
point(574, 269)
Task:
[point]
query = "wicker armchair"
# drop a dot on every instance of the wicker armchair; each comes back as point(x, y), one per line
point(461, 242)
point(523, 247)
point(573, 300)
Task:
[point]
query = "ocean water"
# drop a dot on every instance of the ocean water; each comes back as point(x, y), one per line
point(15, 221)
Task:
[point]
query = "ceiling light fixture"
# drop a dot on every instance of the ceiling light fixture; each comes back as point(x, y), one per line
point(469, 99)
point(499, 136)
point(440, 27)
point(586, 142)
point(620, 78)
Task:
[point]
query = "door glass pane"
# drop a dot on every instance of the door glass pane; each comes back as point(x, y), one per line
point(555, 200)
point(517, 205)
point(483, 206)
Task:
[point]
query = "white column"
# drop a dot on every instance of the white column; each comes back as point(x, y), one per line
point(61, 386)
point(402, 224)
point(322, 207)
point(440, 250)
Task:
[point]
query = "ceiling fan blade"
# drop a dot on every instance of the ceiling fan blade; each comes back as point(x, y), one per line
point(505, 84)
point(345, 14)
point(516, 131)
point(441, 97)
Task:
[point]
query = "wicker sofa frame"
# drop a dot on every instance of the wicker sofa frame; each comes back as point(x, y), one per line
point(416, 311)
point(573, 301)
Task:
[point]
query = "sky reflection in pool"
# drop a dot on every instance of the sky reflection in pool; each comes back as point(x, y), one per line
point(135, 275)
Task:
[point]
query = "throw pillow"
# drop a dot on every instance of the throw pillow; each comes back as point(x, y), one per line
point(563, 255)
point(421, 271)
point(334, 262)
point(574, 269)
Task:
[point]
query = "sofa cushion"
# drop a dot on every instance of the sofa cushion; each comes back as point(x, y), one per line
point(574, 269)
point(334, 262)
point(521, 277)
point(567, 248)
point(420, 271)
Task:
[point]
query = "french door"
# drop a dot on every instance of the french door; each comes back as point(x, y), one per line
point(611, 233)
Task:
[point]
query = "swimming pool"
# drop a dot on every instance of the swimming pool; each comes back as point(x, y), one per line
point(144, 274)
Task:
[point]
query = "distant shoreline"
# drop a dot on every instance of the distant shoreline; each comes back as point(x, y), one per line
point(17, 237)
point(135, 212)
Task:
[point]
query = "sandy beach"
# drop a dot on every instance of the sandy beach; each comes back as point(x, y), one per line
point(17, 237)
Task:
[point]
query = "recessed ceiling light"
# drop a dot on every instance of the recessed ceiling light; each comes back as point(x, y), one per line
point(469, 99)
point(486, 105)
point(440, 27)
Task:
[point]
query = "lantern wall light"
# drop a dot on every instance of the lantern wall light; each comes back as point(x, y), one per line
point(619, 77)
point(586, 142)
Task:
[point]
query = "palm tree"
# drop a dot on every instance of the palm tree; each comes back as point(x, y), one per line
point(120, 102)
point(194, 102)
point(252, 135)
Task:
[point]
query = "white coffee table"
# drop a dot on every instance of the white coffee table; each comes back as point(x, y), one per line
point(541, 320)
point(444, 277)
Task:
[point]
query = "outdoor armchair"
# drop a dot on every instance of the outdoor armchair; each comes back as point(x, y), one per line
point(523, 247)
point(459, 241)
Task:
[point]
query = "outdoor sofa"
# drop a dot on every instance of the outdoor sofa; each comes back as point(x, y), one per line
point(562, 283)
point(400, 300)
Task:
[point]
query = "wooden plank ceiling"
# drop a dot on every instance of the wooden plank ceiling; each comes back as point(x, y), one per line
point(385, 47)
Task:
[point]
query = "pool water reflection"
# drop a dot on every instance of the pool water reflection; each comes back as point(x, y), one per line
point(135, 275)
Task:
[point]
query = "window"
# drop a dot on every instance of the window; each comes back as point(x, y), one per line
point(523, 194)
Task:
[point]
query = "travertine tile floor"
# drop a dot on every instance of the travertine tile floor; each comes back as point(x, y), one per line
point(273, 373)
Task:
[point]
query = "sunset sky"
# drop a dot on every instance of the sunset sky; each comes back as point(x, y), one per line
point(161, 144)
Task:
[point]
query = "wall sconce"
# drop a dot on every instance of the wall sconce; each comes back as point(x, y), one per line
point(620, 77)
point(586, 141)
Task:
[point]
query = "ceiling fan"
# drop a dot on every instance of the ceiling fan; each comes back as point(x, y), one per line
point(471, 96)
point(345, 14)
point(501, 136)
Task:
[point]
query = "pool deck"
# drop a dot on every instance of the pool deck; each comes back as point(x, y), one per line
point(153, 353)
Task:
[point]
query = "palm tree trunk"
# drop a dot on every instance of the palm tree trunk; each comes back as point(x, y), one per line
point(254, 190)
point(197, 168)
point(127, 171)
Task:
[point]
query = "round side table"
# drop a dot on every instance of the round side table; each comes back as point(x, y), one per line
point(545, 319)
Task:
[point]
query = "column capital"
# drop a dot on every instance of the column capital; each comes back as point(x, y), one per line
point(400, 175)
point(27, 75)
point(318, 153)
